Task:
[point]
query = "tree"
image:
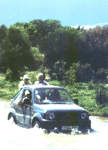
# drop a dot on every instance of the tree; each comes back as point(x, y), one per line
point(97, 47)
point(38, 30)
point(16, 51)
point(61, 45)
point(3, 35)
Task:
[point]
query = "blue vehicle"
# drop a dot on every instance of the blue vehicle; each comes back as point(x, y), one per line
point(48, 107)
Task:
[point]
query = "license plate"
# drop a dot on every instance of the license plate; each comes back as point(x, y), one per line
point(69, 127)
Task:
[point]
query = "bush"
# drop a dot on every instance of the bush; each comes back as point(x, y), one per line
point(91, 85)
point(55, 83)
point(104, 111)
point(85, 73)
point(73, 90)
point(58, 70)
point(101, 95)
point(71, 76)
point(100, 74)
point(79, 73)
point(8, 89)
point(12, 75)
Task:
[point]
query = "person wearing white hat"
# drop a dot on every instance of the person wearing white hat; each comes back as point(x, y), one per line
point(24, 82)
point(41, 81)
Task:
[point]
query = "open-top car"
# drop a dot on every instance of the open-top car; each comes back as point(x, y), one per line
point(48, 107)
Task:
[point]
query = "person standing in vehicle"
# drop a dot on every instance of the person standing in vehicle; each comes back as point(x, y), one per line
point(41, 80)
point(24, 82)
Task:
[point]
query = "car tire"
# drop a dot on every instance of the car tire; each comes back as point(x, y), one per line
point(87, 131)
point(11, 119)
point(47, 131)
point(37, 124)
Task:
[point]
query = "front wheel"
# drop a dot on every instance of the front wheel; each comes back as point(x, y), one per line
point(11, 119)
point(47, 131)
point(87, 131)
point(37, 124)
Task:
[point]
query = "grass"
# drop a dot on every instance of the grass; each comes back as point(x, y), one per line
point(7, 89)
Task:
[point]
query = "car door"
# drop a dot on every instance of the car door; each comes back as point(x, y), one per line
point(28, 110)
point(28, 114)
point(20, 110)
point(20, 115)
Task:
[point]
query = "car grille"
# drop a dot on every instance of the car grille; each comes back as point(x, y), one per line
point(67, 118)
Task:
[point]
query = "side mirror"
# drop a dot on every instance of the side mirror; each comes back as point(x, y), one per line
point(76, 101)
point(27, 101)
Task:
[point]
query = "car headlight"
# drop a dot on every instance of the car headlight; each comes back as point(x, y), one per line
point(84, 115)
point(50, 115)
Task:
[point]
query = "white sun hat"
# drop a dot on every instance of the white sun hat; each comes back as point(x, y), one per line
point(39, 74)
point(26, 77)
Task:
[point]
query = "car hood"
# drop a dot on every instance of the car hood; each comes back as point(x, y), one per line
point(60, 107)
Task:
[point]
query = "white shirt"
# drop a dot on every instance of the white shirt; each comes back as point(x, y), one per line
point(21, 84)
point(43, 83)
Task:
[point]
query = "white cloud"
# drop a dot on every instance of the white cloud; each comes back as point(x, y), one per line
point(90, 26)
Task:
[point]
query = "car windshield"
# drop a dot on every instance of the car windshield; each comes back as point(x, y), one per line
point(52, 95)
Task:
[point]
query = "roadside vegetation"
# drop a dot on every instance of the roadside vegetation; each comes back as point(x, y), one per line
point(93, 97)
point(74, 58)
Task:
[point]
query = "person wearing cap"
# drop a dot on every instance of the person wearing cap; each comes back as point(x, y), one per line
point(24, 82)
point(41, 81)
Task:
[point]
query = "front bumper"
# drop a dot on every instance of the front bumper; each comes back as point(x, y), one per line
point(82, 125)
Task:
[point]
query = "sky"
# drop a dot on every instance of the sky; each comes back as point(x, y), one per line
point(86, 13)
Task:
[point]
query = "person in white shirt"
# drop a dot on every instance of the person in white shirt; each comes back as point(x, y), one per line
point(24, 82)
point(41, 80)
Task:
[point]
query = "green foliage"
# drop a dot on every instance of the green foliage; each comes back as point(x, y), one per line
point(15, 52)
point(101, 95)
point(43, 43)
point(91, 85)
point(104, 111)
point(38, 30)
point(3, 32)
point(12, 75)
point(56, 43)
point(100, 74)
point(58, 70)
point(81, 91)
point(96, 47)
point(38, 58)
point(79, 73)
point(61, 45)
point(73, 90)
point(55, 83)
point(85, 73)
point(86, 97)
point(72, 74)
point(8, 89)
